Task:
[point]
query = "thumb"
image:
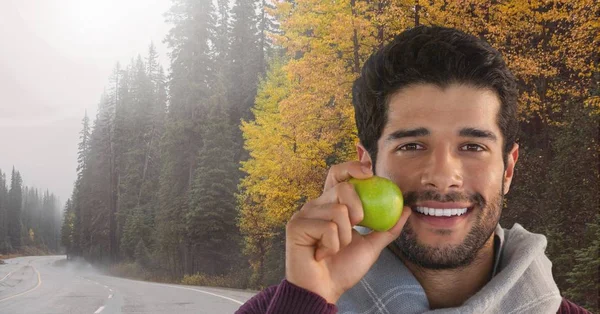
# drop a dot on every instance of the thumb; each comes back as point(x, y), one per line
point(380, 239)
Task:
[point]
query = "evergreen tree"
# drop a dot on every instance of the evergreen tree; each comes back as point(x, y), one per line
point(142, 256)
point(192, 66)
point(79, 190)
point(138, 134)
point(68, 228)
point(14, 210)
point(4, 243)
point(211, 220)
point(97, 192)
point(583, 277)
point(222, 36)
point(83, 146)
point(48, 232)
point(246, 65)
point(152, 64)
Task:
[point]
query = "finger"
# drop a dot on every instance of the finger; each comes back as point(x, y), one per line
point(379, 240)
point(344, 193)
point(313, 233)
point(342, 172)
point(317, 233)
point(337, 213)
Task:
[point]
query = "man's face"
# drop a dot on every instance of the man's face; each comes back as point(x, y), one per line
point(443, 148)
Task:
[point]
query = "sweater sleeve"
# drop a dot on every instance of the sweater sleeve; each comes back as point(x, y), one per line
point(287, 298)
point(568, 307)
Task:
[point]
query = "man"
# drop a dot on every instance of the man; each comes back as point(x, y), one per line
point(436, 111)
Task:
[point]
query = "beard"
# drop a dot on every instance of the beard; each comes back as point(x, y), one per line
point(453, 256)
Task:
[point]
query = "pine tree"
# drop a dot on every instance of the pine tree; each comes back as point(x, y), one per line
point(142, 256)
point(222, 37)
point(4, 242)
point(141, 220)
point(49, 228)
point(192, 67)
point(97, 192)
point(137, 132)
point(583, 278)
point(79, 195)
point(152, 64)
point(68, 228)
point(14, 210)
point(211, 220)
point(267, 24)
point(83, 146)
point(27, 213)
point(246, 66)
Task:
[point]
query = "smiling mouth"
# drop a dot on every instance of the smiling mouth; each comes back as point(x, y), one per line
point(443, 212)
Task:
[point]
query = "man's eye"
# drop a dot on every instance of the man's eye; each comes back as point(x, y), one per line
point(411, 146)
point(472, 148)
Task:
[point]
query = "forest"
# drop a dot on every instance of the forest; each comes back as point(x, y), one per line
point(30, 219)
point(191, 175)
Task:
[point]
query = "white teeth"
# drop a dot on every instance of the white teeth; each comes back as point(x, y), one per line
point(441, 212)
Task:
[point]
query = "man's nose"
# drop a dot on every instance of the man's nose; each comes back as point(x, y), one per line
point(442, 171)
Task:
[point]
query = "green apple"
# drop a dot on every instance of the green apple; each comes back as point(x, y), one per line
point(381, 200)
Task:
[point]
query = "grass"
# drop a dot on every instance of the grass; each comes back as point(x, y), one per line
point(199, 279)
point(133, 270)
point(136, 271)
point(8, 256)
point(26, 251)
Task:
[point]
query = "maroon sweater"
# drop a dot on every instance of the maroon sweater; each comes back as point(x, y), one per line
point(291, 299)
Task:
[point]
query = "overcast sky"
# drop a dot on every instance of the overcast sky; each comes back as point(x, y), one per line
point(55, 59)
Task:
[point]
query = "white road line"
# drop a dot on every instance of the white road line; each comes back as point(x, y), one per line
point(206, 292)
point(22, 293)
point(185, 288)
point(107, 287)
point(6, 276)
point(99, 310)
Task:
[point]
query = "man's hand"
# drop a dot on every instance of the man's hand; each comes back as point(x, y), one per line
point(324, 254)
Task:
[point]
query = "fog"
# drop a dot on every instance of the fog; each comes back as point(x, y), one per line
point(55, 59)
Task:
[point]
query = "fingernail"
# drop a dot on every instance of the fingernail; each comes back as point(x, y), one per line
point(366, 169)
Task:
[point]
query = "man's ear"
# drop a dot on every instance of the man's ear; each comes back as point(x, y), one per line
point(511, 161)
point(363, 155)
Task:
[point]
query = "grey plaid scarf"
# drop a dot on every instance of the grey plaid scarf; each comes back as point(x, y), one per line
point(522, 283)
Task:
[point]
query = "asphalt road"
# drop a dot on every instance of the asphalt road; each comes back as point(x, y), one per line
point(40, 285)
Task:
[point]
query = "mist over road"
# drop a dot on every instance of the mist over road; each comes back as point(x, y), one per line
point(44, 284)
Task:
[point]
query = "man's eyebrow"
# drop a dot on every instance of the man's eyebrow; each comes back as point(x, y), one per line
point(473, 132)
point(465, 132)
point(399, 134)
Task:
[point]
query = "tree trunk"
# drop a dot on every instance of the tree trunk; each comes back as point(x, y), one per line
point(146, 158)
point(356, 59)
point(112, 223)
point(417, 13)
point(380, 29)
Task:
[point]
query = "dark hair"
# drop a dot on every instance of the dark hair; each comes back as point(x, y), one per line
point(431, 55)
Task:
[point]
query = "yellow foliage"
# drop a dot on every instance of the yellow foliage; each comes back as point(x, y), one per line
point(594, 103)
point(551, 46)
